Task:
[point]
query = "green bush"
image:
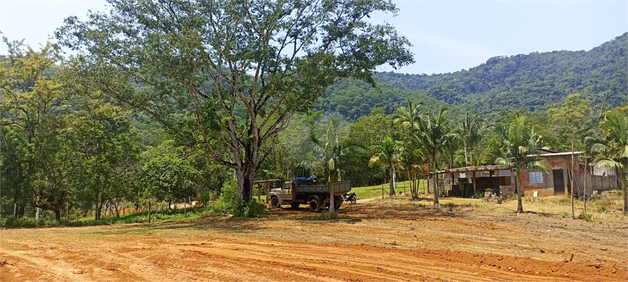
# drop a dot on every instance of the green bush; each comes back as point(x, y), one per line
point(585, 216)
point(142, 217)
point(231, 203)
point(26, 222)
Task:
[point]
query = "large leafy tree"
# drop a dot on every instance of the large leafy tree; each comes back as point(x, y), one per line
point(519, 145)
point(240, 69)
point(35, 119)
point(570, 122)
point(169, 174)
point(612, 150)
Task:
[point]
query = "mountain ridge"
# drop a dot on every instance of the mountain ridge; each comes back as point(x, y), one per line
point(533, 81)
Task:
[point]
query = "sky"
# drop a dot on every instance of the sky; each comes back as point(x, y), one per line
point(447, 36)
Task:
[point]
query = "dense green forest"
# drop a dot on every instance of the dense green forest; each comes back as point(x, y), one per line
point(534, 82)
point(121, 124)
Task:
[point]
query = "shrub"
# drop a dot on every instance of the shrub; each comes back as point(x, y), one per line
point(231, 203)
point(26, 222)
point(585, 216)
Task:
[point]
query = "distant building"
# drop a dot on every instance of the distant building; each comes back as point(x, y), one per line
point(555, 181)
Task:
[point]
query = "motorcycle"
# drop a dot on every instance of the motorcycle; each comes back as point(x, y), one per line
point(351, 198)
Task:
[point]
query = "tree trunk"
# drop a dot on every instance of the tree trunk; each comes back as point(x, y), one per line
point(392, 180)
point(57, 214)
point(623, 189)
point(466, 158)
point(98, 206)
point(435, 174)
point(519, 192)
point(332, 208)
point(245, 183)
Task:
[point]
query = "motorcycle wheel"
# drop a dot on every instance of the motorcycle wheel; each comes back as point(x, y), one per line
point(352, 199)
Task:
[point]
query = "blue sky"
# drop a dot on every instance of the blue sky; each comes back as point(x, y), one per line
point(447, 35)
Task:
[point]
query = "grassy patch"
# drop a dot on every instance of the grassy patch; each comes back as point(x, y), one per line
point(325, 216)
point(375, 191)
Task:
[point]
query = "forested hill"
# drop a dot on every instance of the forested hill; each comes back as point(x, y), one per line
point(536, 81)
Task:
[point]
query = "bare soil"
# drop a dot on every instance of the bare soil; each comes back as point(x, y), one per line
point(390, 240)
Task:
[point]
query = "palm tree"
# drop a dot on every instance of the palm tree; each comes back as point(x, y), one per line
point(387, 155)
point(519, 147)
point(434, 135)
point(471, 134)
point(330, 154)
point(411, 161)
point(406, 118)
point(612, 150)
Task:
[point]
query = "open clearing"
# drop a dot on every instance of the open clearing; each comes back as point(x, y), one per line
point(384, 240)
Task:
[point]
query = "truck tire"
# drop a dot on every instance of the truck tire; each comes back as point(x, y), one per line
point(295, 205)
point(274, 202)
point(315, 205)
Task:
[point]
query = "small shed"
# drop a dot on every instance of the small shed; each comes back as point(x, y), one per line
point(467, 181)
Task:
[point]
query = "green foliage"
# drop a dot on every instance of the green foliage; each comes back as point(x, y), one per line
point(533, 82)
point(586, 216)
point(239, 70)
point(569, 123)
point(612, 150)
point(230, 203)
point(519, 145)
point(169, 175)
point(142, 217)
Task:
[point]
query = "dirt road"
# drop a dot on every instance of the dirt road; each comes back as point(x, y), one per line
point(376, 244)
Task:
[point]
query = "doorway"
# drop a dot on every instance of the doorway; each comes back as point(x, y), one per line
point(559, 182)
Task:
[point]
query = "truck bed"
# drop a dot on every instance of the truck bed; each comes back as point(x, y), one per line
point(340, 188)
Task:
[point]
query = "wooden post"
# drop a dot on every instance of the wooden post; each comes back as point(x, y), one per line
point(474, 183)
point(585, 183)
point(148, 210)
point(259, 192)
point(573, 213)
point(452, 180)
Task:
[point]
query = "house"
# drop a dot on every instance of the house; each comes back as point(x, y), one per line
point(557, 180)
point(466, 181)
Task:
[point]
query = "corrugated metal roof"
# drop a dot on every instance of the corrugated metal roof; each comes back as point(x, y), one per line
point(558, 154)
point(476, 168)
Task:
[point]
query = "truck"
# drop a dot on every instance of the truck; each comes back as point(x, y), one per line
point(312, 193)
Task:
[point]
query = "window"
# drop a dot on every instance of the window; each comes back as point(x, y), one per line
point(535, 177)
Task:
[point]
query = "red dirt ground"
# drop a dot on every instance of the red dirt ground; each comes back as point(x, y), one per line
point(377, 243)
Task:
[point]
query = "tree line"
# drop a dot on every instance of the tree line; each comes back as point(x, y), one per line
point(167, 100)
